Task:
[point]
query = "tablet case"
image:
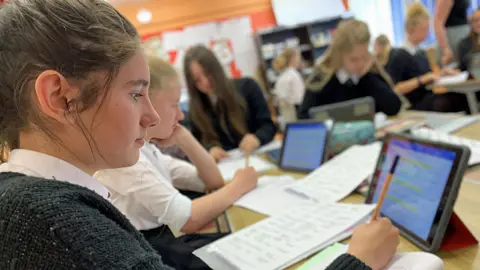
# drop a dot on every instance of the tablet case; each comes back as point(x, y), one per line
point(457, 235)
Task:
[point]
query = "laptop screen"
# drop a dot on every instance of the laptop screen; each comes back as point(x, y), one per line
point(304, 146)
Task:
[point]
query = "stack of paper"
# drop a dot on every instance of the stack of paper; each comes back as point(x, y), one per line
point(280, 241)
point(229, 167)
point(340, 176)
point(453, 79)
point(273, 145)
point(330, 183)
point(269, 197)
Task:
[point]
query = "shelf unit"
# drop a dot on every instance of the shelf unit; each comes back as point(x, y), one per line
point(311, 39)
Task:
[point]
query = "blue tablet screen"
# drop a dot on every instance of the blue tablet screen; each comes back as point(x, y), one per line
point(417, 184)
point(304, 146)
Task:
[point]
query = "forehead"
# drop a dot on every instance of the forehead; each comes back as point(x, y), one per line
point(136, 68)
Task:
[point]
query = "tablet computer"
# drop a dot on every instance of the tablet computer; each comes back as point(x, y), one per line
point(351, 110)
point(305, 145)
point(424, 186)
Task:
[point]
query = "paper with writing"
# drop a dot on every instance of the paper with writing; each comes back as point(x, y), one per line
point(228, 168)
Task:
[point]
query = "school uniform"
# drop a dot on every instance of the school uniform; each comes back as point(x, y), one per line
point(448, 102)
point(457, 26)
point(258, 118)
point(343, 87)
point(289, 90)
point(465, 48)
point(403, 65)
point(147, 194)
point(55, 216)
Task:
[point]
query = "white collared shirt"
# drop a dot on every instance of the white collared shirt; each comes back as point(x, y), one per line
point(410, 47)
point(343, 76)
point(37, 164)
point(146, 192)
point(290, 86)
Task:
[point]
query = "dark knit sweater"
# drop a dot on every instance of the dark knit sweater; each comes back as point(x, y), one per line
point(47, 224)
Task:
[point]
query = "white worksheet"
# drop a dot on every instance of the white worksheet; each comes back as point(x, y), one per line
point(279, 241)
point(229, 167)
point(340, 176)
point(270, 197)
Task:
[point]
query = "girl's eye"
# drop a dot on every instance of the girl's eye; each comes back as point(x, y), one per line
point(135, 96)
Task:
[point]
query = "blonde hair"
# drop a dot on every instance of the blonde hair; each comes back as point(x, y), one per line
point(160, 71)
point(349, 33)
point(416, 14)
point(281, 62)
point(384, 42)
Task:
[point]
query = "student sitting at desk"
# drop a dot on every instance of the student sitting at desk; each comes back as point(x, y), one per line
point(408, 67)
point(413, 76)
point(146, 192)
point(224, 113)
point(289, 87)
point(470, 44)
point(347, 71)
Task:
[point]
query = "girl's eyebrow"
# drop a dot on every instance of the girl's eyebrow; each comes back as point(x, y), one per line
point(139, 82)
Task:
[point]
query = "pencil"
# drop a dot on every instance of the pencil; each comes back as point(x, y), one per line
point(247, 160)
point(385, 188)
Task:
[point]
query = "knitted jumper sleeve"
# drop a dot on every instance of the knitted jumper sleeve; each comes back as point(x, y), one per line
point(347, 262)
point(56, 225)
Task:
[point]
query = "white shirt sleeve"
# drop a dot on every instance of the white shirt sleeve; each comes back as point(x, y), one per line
point(142, 184)
point(184, 175)
point(297, 87)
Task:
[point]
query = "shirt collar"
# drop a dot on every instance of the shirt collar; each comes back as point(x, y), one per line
point(343, 76)
point(410, 47)
point(41, 165)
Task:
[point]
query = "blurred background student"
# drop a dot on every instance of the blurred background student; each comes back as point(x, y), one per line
point(451, 26)
point(417, 26)
point(224, 113)
point(290, 86)
point(470, 44)
point(348, 71)
point(409, 67)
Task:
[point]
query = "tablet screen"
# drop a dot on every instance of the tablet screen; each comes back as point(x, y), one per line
point(417, 188)
point(304, 146)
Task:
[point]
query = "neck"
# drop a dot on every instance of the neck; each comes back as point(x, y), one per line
point(38, 142)
point(412, 41)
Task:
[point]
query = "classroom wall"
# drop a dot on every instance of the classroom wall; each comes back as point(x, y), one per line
point(172, 14)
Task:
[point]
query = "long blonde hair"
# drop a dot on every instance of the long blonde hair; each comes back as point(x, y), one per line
point(382, 56)
point(282, 61)
point(349, 33)
point(416, 14)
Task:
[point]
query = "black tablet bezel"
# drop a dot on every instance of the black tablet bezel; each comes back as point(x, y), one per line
point(328, 125)
point(345, 107)
point(445, 208)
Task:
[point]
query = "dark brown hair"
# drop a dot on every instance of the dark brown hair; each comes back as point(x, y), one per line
point(230, 107)
point(475, 36)
point(80, 39)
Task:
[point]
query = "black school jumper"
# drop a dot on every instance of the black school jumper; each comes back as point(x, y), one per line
point(259, 120)
point(371, 84)
point(403, 66)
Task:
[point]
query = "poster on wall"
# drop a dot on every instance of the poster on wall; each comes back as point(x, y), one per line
point(231, 40)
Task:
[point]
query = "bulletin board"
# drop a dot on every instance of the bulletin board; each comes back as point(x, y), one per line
point(232, 40)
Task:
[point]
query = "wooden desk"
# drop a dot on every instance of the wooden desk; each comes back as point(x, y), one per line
point(468, 88)
point(467, 207)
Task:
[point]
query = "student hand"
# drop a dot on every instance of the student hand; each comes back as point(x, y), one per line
point(447, 56)
point(429, 78)
point(245, 179)
point(375, 244)
point(218, 153)
point(249, 143)
point(178, 133)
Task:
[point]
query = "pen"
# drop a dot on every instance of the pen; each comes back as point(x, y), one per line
point(385, 188)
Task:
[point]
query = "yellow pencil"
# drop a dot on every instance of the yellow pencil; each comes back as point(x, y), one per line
point(385, 188)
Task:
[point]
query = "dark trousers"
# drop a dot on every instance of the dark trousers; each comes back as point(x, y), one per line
point(178, 252)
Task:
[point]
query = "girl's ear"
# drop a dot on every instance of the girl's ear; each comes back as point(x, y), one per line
point(54, 95)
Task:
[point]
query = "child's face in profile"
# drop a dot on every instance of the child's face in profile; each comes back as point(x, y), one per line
point(357, 60)
point(166, 103)
point(119, 123)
